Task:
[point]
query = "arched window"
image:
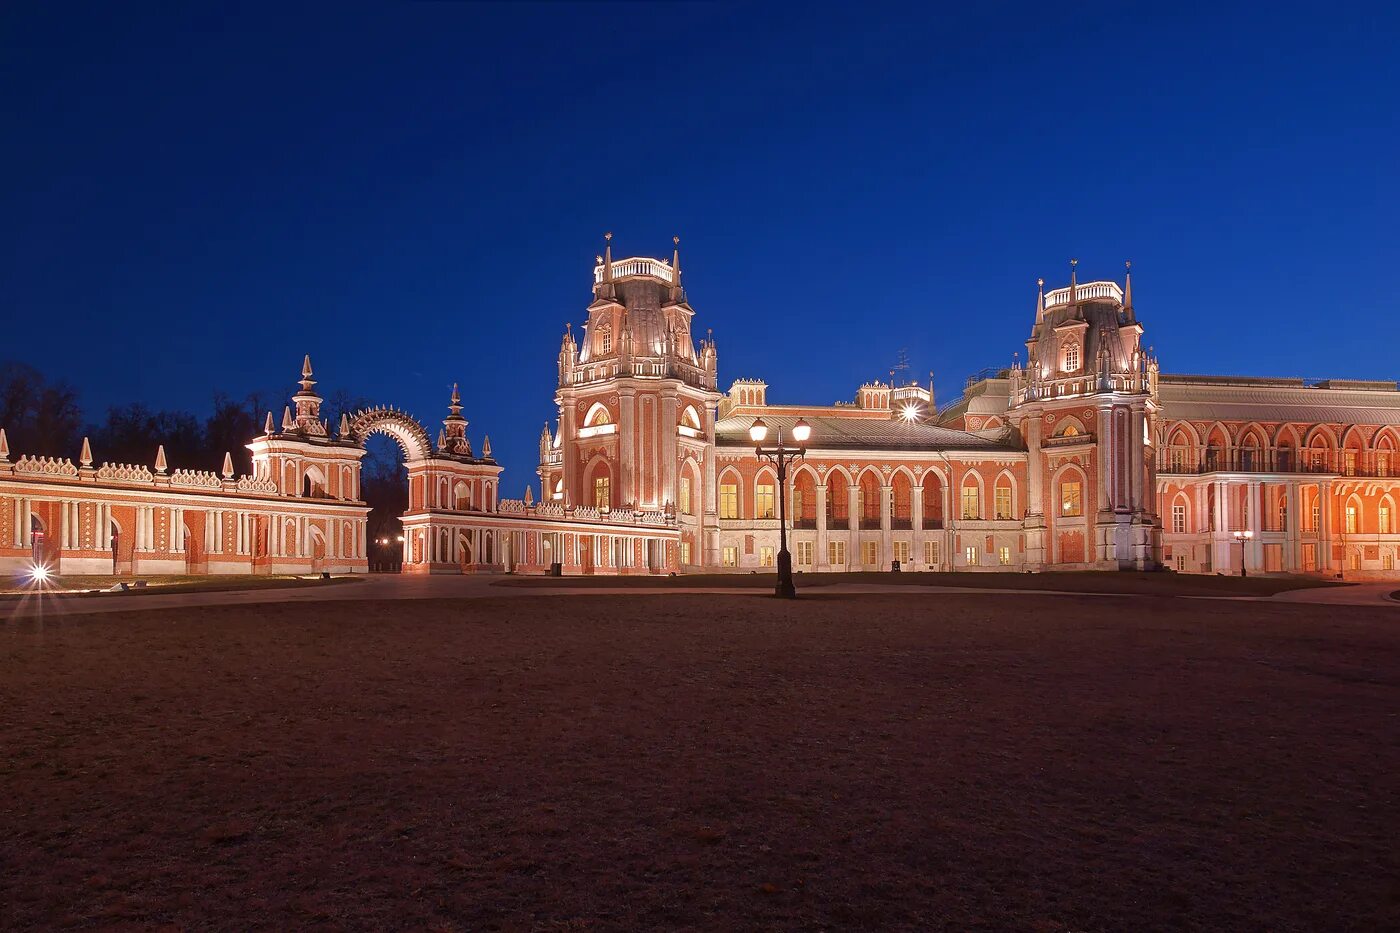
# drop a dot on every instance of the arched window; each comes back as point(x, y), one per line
point(765, 496)
point(971, 500)
point(729, 495)
point(598, 415)
point(1070, 501)
point(603, 342)
point(683, 495)
point(933, 500)
point(1003, 502)
point(1353, 516)
point(690, 418)
point(1072, 357)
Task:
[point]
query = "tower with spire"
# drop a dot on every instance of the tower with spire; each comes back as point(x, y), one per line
point(301, 458)
point(1085, 404)
point(636, 396)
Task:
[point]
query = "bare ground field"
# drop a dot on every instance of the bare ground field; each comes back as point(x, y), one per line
point(704, 762)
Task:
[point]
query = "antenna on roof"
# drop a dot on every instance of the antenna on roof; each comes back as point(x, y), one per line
point(901, 367)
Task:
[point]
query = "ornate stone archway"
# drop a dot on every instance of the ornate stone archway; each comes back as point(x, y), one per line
point(406, 430)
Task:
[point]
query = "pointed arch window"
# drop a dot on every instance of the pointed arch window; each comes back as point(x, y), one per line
point(1072, 357)
point(603, 342)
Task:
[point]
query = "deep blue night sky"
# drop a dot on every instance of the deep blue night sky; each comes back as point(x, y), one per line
point(414, 194)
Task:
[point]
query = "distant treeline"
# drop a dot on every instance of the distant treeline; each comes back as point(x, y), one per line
point(43, 418)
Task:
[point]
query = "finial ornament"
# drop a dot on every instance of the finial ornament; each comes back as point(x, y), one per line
point(608, 236)
point(85, 458)
point(4, 446)
point(267, 427)
point(160, 459)
point(676, 240)
point(228, 465)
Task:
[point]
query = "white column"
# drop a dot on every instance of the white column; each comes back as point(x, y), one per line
point(886, 524)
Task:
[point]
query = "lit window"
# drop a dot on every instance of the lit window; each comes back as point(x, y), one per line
point(931, 553)
point(1004, 556)
point(1072, 358)
point(1387, 560)
point(1384, 520)
point(804, 553)
point(1070, 430)
point(602, 493)
point(901, 552)
point(797, 504)
point(970, 555)
point(1179, 519)
point(728, 500)
point(1351, 520)
point(763, 501)
point(765, 556)
point(605, 339)
point(836, 553)
point(1003, 504)
point(684, 495)
point(1071, 502)
point(971, 507)
point(731, 557)
point(870, 553)
point(1316, 517)
point(598, 415)
point(685, 552)
point(1355, 559)
point(1349, 462)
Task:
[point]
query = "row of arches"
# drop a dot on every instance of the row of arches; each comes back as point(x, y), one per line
point(1355, 514)
point(1288, 448)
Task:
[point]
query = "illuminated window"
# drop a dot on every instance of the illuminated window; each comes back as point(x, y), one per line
point(971, 507)
point(804, 553)
point(1349, 462)
point(598, 415)
point(1387, 559)
point(970, 555)
point(1316, 517)
point(683, 493)
point(901, 552)
point(1003, 503)
point(1351, 520)
point(765, 556)
point(1179, 518)
point(602, 493)
point(1354, 559)
point(728, 500)
point(1282, 514)
point(1070, 430)
point(836, 553)
point(1004, 556)
point(604, 339)
point(1384, 520)
point(870, 553)
point(763, 501)
point(931, 553)
point(796, 504)
point(1072, 357)
point(731, 556)
point(1071, 502)
point(685, 552)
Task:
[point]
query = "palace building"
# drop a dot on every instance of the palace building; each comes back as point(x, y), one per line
point(1083, 456)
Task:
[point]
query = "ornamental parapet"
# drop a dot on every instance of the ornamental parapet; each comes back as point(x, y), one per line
point(585, 513)
point(45, 466)
point(125, 473)
point(198, 479)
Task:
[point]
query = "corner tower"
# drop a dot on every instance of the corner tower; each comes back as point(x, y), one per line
point(636, 399)
point(1086, 406)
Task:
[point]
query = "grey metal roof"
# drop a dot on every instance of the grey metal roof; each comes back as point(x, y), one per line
point(1202, 401)
point(837, 433)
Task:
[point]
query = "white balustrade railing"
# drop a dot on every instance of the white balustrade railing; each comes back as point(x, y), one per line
point(1060, 296)
point(636, 266)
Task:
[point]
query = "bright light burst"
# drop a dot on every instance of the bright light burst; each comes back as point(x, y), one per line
point(910, 412)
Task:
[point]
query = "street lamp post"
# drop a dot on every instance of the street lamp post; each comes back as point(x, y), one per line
point(781, 455)
point(1243, 537)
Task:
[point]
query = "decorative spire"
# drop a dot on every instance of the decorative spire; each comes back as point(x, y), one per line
point(268, 428)
point(456, 406)
point(160, 459)
point(306, 381)
point(308, 417)
point(85, 458)
point(1040, 301)
point(4, 446)
point(1128, 291)
point(607, 257)
point(344, 425)
point(228, 465)
point(676, 268)
point(287, 422)
point(442, 439)
point(1073, 282)
point(486, 447)
point(529, 495)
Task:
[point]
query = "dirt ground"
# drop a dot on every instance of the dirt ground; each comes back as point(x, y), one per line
point(919, 761)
